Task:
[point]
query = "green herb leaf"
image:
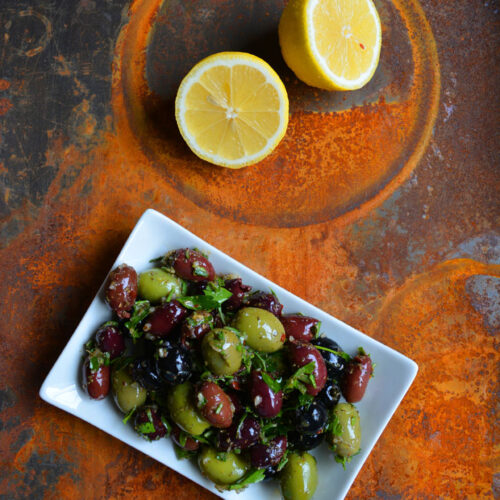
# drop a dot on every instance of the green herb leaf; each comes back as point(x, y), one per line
point(300, 378)
point(254, 476)
point(95, 363)
point(273, 385)
point(283, 461)
point(184, 454)
point(146, 428)
point(334, 426)
point(338, 353)
point(219, 408)
point(199, 270)
point(128, 415)
point(139, 312)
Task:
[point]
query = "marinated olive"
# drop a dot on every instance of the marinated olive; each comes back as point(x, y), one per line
point(267, 403)
point(150, 424)
point(173, 363)
point(183, 440)
point(335, 363)
point(261, 329)
point(121, 290)
point(310, 419)
point(270, 454)
point(110, 339)
point(222, 468)
point(330, 394)
point(344, 435)
point(192, 265)
point(236, 402)
point(299, 477)
point(266, 301)
point(215, 405)
point(238, 290)
point(180, 402)
point(156, 283)
point(300, 328)
point(95, 375)
point(144, 371)
point(304, 442)
point(302, 354)
point(358, 373)
point(222, 351)
point(165, 318)
point(196, 325)
point(128, 393)
point(240, 436)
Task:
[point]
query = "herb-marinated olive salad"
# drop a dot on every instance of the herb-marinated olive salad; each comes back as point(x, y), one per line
point(236, 383)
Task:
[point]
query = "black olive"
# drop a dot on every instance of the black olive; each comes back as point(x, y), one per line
point(311, 419)
point(330, 394)
point(144, 371)
point(335, 364)
point(173, 363)
point(305, 442)
point(270, 473)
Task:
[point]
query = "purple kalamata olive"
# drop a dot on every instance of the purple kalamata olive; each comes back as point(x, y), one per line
point(215, 405)
point(192, 265)
point(96, 375)
point(240, 436)
point(266, 401)
point(358, 373)
point(238, 290)
point(236, 402)
point(150, 424)
point(196, 325)
point(266, 301)
point(299, 328)
point(270, 454)
point(121, 290)
point(165, 318)
point(110, 339)
point(302, 354)
point(181, 439)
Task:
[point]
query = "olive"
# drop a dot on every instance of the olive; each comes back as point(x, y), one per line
point(192, 265)
point(95, 375)
point(156, 283)
point(300, 328)
point(128, 394)
point(110, 339)
point(165, 318)
point(261, 329)
point(270, 454)
point(180, 402)
point(144, 371)
point(150, 424)
point(238, 290)
point(196, 325)
point(299, 477)
point(173, 363)
point(358, 373)
point(270, 473)
point(183, 440)
point(310, 419)
point(222, 351)
point(302, 354)
point(121, 290)
point(222, 467)
point(330, 394)
point(236, 402)
point(266, 301)
point(267, 403)
point(335, 363)
point(344, 436)
point(215, 405)
point(240, 436)
point(304, 442)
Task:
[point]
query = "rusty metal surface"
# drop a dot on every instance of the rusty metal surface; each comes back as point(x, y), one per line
point(380, 206)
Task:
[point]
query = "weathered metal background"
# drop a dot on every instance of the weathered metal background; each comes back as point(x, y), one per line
point(380, 206)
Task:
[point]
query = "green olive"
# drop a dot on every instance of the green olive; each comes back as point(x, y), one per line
point(299, 478)
point(263, 331)
point(222, 468)
point(127, 393)
point(222, 351)
point(183, 411)
point(344, 435)
point(157, 283)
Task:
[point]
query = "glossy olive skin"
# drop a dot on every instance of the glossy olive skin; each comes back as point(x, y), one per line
point(301, 354)
point(165, 318)
point(304, 442)
point(267, 403)
point(192, 265)
point(96, 381)
point(348, 440)
point(299, 478)
point(221, 471)
point(196, 326)
point(310, 419)
point(173, 363)
point(239, 436)
point(270, 454)
point(221, 351)
point(335, 364)
point(330, 394)
point(180, 402)
point(266, 301)
point(121, 290)
point(156, 283)
point(261, 329)
point(358, 373)
point(149, 424)
point(110, 339)
point(128, 393)
point(189, 444)
point(215, 405)
point(299, 328)
point(238, 290)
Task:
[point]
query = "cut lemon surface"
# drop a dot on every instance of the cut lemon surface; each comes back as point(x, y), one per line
point(232, 109)
point(331, 44)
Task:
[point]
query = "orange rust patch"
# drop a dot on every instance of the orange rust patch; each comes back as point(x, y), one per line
point(5, 105)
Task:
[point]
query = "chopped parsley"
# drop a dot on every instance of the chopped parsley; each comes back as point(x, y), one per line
point(254, 476)
point(139, 312)
point(338, 353)
point(300, 378)
point(272, 384)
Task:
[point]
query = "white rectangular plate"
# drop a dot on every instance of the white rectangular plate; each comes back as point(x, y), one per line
point(155, 234)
